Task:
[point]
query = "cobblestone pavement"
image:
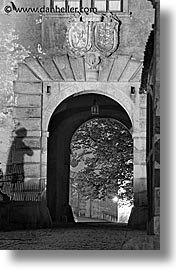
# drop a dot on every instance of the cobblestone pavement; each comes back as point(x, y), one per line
point(80, 236)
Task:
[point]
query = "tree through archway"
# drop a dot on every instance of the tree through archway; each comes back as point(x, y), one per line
point(102, 170)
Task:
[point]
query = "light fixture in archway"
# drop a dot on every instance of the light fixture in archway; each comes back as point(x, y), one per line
point(95, 107)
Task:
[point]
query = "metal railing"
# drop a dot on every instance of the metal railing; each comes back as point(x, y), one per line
point(21, 190)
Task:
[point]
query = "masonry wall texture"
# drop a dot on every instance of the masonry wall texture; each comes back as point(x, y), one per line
point(153, 131)
point(21, 36)
point(133, 30)
point(26, 37)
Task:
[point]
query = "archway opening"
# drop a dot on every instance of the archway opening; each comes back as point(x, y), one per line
point(101, 172)
point(66, 119)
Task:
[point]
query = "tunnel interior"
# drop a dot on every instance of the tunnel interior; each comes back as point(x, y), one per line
point(67, 117)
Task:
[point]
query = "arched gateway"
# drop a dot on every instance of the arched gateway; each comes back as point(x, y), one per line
point(53, 99)
point(67, 117)
point(81, 57)
point(113, 56)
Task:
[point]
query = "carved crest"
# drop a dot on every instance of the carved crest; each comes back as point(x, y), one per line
point(78, 37)
point(106, 34)
point(93, 32)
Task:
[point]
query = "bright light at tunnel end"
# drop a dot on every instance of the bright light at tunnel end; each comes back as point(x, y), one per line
point(115, 199)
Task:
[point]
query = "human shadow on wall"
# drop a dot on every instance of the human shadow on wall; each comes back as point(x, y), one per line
point(15, 174)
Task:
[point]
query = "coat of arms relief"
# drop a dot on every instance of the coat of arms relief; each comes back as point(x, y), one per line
point(93, 37)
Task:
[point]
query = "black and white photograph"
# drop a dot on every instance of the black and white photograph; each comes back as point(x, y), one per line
point(80, 125)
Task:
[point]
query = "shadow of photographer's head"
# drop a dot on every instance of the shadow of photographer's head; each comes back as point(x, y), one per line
point(21, 132)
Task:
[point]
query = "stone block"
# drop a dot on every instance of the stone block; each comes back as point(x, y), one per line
point(142, 113)
point(142, 100)
point(139, 156)
point(139, 143)
point(140, 183)
point(157, 225)
point(142, 124)
point(63, 65)
point(137, 76)
point(28, 87)
point(44, 144)
point(25, 112)
point(142, 243)
point(30, 124)
point(140, 197)
point(36, 67)
point(4, 215)
point(49, 100)
point(44, 157)
point(28, 215)
point(157, 200)
point(157, 151)
point(157, 90)
point(91, 76)
point(26, 156)
point(158, 108)
point(130, 70)
point(118, 67)
point(157, 165)
point(32, 170)
point(32, 142)
point(25, 74)
point(139, 171)
point(28, 100)
point(35, 158)
point(51, 69)
point(157, 124)
point(32, 181)
point(78, 68)
point(105, 69)
point(32, 134)
point(138, 218)
point(44, 170)
point(157, 177)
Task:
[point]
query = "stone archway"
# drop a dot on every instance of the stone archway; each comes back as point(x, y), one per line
point(69, 115)
point(38, 94)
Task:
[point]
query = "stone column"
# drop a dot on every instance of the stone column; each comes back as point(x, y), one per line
point(156, 122)
point(43, 162)
point(139, 214)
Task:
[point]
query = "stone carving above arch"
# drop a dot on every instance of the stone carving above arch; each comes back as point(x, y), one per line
point(112, 77)
point(64, 68)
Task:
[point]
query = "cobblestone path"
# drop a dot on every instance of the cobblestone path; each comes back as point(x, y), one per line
point(80, 236)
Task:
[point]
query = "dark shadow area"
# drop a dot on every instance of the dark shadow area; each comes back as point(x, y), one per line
point(69, 116)
point(18, 151)
point(16, 209)
point(167, 75)
point(13, 180)
point(25, 208)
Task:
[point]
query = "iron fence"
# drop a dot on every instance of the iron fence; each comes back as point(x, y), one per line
point(21, 190)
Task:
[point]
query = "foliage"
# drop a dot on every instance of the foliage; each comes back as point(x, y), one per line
point(106, 148)
point(10, 54)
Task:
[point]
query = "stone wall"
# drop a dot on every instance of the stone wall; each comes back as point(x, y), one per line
point(153, 133)
point(27, 106)
point(134, 30)
point(22, 35)
point(105, 210)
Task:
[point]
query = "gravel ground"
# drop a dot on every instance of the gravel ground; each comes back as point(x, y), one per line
point(80, 236)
